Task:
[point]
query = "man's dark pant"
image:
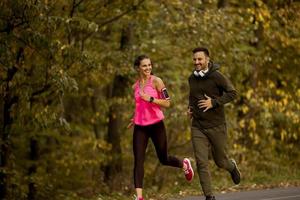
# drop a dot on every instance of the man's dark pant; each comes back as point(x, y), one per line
point(203, 140)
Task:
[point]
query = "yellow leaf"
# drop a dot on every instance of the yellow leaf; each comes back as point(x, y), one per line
point(245, 109)
point(252, 124)
point(283, 134)
point(242, 123)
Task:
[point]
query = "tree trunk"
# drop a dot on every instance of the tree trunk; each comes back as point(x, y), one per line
point(33, 156)
point(256, 42)
point(93, 100)
point(5, 144)
point(118, 90)
point(222, 4)
point(114, 167)
point(9, 101)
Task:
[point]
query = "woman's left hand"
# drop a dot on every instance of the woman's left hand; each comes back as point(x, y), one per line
point(144, 96)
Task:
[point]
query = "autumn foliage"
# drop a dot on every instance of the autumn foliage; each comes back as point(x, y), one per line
point(66, 74)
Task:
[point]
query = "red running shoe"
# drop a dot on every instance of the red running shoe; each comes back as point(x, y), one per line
point(188, 172)
point(138, 198)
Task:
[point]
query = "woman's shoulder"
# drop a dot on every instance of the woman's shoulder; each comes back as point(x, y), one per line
point(158, 83)
point(156, 79)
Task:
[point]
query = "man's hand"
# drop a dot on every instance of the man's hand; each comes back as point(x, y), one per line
point(189, 113)
point(205, 103)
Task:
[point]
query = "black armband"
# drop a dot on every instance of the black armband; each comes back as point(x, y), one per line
point(165, 94)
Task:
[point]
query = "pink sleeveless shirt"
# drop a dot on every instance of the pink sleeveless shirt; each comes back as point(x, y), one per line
point(146, 113)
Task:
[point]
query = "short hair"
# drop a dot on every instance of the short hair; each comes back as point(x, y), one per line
point(201, 49)
point(138, 60)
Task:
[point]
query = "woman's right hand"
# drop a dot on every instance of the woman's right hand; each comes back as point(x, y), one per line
point(130, 124)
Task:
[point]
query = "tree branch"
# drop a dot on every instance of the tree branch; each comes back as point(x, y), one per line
point(10, 27)
point(114, 19)
point(122, 14)
point(74, 6)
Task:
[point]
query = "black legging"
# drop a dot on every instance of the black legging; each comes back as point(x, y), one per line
point(157, 133)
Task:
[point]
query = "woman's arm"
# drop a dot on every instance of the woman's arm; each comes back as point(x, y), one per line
point(159, 85)
point(131, 123)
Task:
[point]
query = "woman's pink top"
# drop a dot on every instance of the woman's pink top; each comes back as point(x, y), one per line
point(146, 113)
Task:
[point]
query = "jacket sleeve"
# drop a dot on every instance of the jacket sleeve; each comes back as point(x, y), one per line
point(228, 91)
point(190, 102)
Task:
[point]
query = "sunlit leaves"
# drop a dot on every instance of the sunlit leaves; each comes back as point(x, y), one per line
point(72, 53)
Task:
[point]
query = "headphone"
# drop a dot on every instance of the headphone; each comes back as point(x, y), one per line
point(198, 73)
point(201, 73)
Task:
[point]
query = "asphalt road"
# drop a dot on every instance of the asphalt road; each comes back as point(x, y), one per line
point(291, 193)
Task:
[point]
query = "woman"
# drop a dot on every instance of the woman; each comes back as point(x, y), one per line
point(150, 94)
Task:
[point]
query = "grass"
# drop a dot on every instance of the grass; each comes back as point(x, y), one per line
point(170, 184)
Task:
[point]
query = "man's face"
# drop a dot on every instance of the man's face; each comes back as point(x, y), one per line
point(200, 60)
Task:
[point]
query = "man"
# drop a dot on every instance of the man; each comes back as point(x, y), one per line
point(209, 91)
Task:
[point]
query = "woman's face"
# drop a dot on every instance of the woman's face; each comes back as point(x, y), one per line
point(145, 67)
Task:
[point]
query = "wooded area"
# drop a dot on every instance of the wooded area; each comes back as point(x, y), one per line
point(66, 74)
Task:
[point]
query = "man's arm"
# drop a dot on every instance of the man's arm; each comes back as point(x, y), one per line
point(190, 107)
point(229, 92)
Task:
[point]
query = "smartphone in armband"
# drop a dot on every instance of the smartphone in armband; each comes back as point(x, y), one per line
point(165, 94)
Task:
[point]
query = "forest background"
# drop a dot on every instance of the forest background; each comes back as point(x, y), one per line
point(66, 99)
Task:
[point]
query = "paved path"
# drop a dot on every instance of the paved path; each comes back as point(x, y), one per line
point(291, 193)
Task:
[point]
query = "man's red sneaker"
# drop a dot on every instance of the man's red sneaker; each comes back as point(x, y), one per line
point(188, 171)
